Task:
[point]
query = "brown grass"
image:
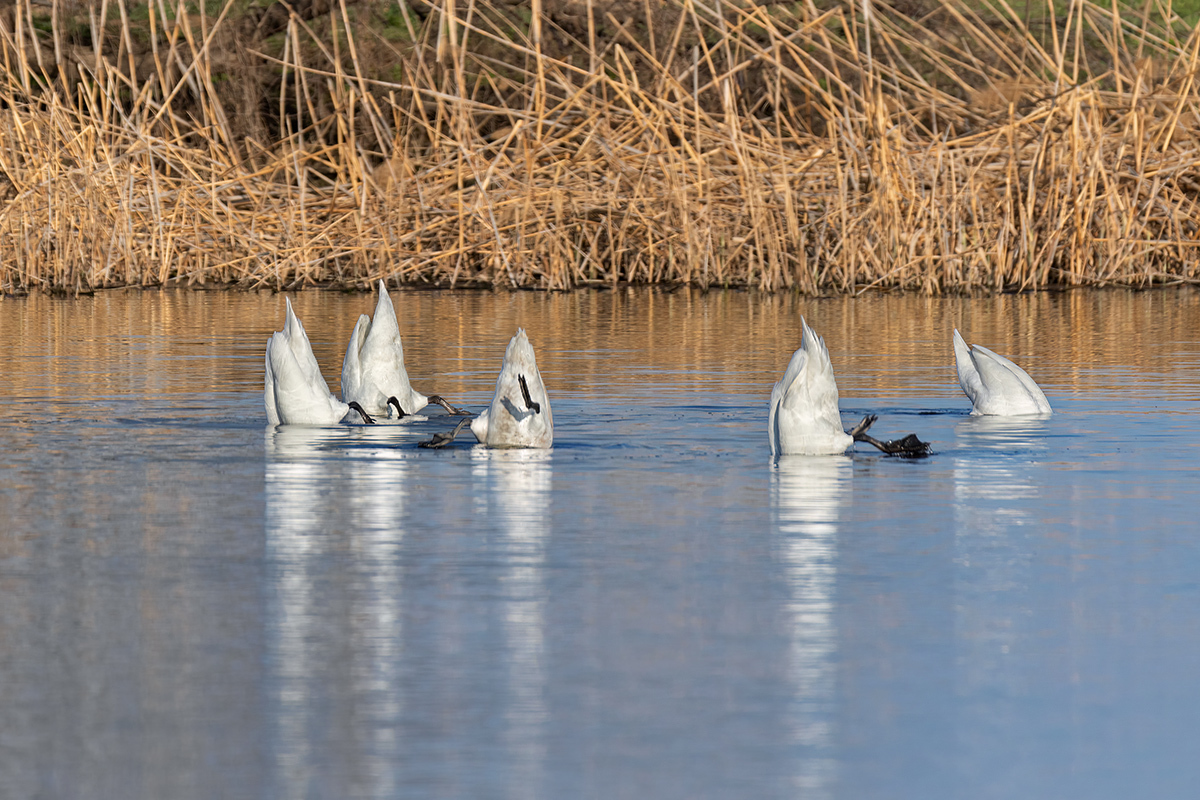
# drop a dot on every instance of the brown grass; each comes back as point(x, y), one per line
point(725, 144)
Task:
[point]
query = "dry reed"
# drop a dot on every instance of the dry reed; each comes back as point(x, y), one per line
point(955, 147)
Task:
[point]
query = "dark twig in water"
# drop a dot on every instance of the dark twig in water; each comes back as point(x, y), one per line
point(442, 439)
point(909, 447)
point(437, 399)
point(366, 417)
point(529, 404)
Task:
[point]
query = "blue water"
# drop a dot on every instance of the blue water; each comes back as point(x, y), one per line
point(196, 606)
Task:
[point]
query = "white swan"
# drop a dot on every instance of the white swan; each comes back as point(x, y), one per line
point(373, 372)
point(996, 385)
point(294, 391)
point(804, 417)
point(519, 415)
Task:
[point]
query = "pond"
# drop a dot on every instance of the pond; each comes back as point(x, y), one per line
point(197, 606)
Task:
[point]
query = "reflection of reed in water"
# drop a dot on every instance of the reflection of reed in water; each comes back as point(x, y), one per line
point(178, 342)
point(806, 496)
point(313, 491)
point(516, 485)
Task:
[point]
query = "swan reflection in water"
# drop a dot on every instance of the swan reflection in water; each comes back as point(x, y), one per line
point(997, 483)
point(807, 493)
point(513, 486)
point(329, 491)
point(995, 454)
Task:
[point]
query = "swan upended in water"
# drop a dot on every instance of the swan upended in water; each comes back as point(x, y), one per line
point(294, 391)
point(804, 418)
point(996, 386)
point(373, 372)
point(519, 415)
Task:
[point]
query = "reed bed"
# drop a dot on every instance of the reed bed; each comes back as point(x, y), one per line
point(955, 146)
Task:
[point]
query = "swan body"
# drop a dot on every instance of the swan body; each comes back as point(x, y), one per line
point(519, 415)
point(373, 369)
point(996, 386)
point(294, 392)
point(804, 417)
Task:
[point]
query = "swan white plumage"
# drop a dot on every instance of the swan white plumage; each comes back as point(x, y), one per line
point(519, 414)
point(373, 369)
point(804, 417)
point(996, 385)
point(373, 372)
point(294, 391)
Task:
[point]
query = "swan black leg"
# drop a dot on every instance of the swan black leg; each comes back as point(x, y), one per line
point(443, 439)
point(366, 417)
point(437, 399)
point(529, 404)
point(391, 401)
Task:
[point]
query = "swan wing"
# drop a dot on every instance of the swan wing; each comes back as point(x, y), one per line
point(1009, 383)
point(773, 414)
point(512, 422)
point(269, 388)
point(297, 342)
point(821, 386)
point(297, 398)
point(786, 401)
point(382, 362)
point(352, 377)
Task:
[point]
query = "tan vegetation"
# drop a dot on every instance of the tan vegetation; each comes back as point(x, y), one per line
point(945, 147)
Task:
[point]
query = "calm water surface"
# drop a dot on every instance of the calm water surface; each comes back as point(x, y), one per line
point(195, 606)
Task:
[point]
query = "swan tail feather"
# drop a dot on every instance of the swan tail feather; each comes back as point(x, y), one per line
point(968, 372)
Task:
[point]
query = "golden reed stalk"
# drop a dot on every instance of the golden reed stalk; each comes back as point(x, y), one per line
point(954, 146)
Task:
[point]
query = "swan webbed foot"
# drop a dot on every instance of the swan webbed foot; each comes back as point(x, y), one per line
point(908, 447)
point(391, 401)
point(529, 404)
point(442, 439)
point(362, 412)
point(437, 399)
point(862, 427)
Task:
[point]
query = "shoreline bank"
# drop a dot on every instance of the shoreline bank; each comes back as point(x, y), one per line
point(934, 149)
